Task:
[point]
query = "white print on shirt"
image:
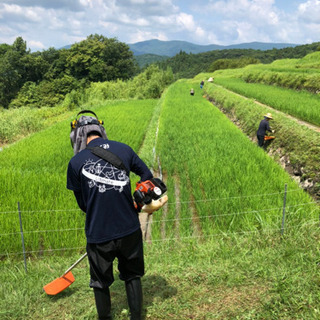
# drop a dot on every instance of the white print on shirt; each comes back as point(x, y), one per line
point(104, 177)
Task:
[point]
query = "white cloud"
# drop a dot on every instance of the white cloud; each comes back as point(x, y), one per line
point(17, 12)
point(36, 44)
point(73, 5)
point(147, 7)
point(200, 33)
point(236, 21)
point(251, 11)
point(143, 36)
point(310, 11)
point(61, 22)
point(185, 21)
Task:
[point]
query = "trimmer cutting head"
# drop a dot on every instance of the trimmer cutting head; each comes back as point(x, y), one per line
point(59, 284)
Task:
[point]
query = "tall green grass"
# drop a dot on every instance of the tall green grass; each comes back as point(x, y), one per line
point(288, 73)
point(225, 182)
point(221, 188)
point(33, 172)
point(294, 142)
point(302, 105)
point(218, 181)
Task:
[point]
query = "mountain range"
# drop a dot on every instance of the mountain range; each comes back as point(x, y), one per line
point(171, 48)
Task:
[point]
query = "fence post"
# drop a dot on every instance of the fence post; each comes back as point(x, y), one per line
point(284, 209)
point(22, 239)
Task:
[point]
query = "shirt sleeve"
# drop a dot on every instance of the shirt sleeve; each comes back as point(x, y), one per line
point(81, 204)
point(268, 127)
point(140, 168)
point(73, 179)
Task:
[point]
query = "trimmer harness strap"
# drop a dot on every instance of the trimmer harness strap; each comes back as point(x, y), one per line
point(110, 157)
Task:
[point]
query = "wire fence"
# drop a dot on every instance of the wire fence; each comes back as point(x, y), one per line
point(162, 220)
point(168, 203)
point(154, 222)
point(221, 234)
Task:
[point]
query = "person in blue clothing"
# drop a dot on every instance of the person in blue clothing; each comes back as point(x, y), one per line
point(102, 190)
point(264, 126)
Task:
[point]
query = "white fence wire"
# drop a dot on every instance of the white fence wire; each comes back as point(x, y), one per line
point(161, 221)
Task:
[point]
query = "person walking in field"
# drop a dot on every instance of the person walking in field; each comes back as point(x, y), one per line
point(112, 226)
point(264, 126)
point(201, 84)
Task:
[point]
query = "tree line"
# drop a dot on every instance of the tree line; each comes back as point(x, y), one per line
point(44, 78)
point(38, 79)
point(185, 65)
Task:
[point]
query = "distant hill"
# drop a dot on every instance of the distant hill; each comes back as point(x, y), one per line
point(186, 65)
point(171, 48)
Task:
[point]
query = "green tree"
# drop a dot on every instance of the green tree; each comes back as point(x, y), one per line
point(100, 59)
point(4, 48)
point(12, 71)
point(35, 67)
point(151, 82)
point(232, 63)
point(57, 60)
point(46, 93)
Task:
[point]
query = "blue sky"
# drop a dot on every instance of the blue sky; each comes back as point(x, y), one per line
point(56, 23)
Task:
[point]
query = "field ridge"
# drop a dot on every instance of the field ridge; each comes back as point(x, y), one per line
point(298, 120)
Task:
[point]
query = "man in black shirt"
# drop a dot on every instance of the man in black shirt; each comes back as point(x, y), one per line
point(264, 126)
point(112, 226)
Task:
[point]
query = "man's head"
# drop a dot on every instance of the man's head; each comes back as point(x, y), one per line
point(83, 128)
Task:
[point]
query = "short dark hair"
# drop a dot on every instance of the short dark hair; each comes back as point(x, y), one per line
point(94, 133)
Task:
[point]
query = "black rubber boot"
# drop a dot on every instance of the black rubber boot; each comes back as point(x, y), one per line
point(134, 296)
point(103, 303)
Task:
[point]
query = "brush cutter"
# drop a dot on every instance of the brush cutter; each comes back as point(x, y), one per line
point(266, 138)
point(147, 195)
point(59, 284)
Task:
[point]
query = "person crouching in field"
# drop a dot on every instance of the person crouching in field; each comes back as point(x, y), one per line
point(264, 126)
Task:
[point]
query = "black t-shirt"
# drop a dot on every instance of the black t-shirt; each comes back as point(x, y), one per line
point(264, 126)
point(105, 191)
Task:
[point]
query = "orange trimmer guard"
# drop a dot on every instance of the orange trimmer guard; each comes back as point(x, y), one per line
point(59, 284)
